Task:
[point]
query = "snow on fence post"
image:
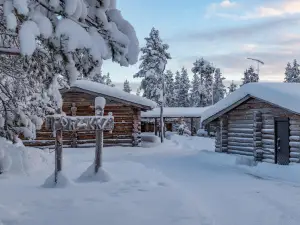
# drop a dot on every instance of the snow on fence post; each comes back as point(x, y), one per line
point(224, 134)
point(58, 129)
point(257, 136)
point(99, 111)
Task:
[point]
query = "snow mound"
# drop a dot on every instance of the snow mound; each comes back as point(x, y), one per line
point(150, 140)
point(62, 181)
point(18, 159)
point(245, 160)
point(90, 176)
point(202, 133)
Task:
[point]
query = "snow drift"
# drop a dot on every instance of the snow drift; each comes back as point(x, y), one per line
point(18, 159)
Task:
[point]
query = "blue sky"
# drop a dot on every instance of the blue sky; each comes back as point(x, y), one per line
point(224, 32)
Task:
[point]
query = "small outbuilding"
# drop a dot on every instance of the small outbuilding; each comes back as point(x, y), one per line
point(172, 118)
point(260, 120)
point(79, 100)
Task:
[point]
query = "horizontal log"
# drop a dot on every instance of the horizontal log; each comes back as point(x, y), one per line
point(295, 133)
point(250, 126)
point(268, 150)
point(232, 143)
point(268, 122)
point(268, 136)
point(237, 121)
point(242, 140)
point(241, 130)
point(241, 117)
point(268, 156)
point(241, 148)
point(295, 127)
point(295, 122)
point(294, 149)
point(294, 144)
point(294, 160)
point(295, 155)
point(268, 131)
point(268, 142)
point(240, 152)
point(294, 138)
point(242, 135)
point(266, 126)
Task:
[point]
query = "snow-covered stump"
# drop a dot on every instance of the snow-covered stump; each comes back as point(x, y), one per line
point(224, 134)
point(257, 136)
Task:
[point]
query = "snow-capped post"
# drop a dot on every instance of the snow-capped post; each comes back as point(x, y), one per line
point(58, 147)
point(257, 136)
point(99, 111)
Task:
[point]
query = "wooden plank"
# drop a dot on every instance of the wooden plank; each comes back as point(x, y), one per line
point(268, 131)
point(295, 133)
point(294, 160)
point(295, 144)
point(295, 155)
point(268, 136)
point(236, 125)
point(295, 149)
point(236, 152)
point(237, 121)
point(241, 130)
point(241, 148)
point(242, 135)
point(242, 140)
point(294, 138)
point(237, 144)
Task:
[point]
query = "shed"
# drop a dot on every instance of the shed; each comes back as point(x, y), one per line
point(79, 100)
point(172, 115)
point(260, 120)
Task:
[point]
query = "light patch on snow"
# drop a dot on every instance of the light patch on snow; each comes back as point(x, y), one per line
point(62, 181)
point(90, 176)
point(11, 21)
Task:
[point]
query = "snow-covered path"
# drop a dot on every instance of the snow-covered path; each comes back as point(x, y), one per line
point(180, 182)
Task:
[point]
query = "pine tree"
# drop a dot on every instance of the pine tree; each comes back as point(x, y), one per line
point(292, 73)
point(183, 93)
point(126, 86)
point(169, 89)
point(219, 89)
point(107, 80)
point(97, 76)
point(232, 87)
point(195, 91)
point(153, 63)
point(250, 76)
point(205, 72)
point(43, 34)
point(177, 85)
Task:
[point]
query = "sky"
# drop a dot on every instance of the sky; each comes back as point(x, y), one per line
point(224, 32)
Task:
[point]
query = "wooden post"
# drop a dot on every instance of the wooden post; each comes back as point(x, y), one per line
point(224, 134)
point(155, 127)
point(165, 128)
point(257, 136)
point(99, 111)
point(58, 148)
point(192, 126)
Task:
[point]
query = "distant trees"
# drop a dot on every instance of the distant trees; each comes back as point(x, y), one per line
point(292, 73)
point(126, 86)
point(232, 87)
point(169, 89)
point(250, 76)
point(219, 89)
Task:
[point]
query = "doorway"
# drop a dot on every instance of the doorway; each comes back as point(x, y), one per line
point(282, 148)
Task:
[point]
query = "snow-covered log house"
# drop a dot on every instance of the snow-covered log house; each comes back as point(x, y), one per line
point(261, 120)
point(79, 100)
point(172, 118)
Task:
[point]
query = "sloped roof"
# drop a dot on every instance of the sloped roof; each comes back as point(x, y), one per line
point(112, 92)
point(175, 112)
point(284, 95)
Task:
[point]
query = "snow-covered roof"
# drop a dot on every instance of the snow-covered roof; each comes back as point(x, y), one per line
point(175, 112)
point(284, 95)
point(113, 92)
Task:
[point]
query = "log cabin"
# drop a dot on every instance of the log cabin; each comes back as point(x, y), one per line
point(172, 117)
point(79, 100)
point(260, 120)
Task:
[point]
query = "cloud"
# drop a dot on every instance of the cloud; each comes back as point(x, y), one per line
point(227, 4)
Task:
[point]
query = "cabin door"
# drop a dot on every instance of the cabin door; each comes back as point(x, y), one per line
point(282, 149)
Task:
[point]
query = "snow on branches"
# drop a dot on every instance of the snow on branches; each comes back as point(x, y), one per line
point(92, 29)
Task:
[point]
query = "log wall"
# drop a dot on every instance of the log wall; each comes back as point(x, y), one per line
point(251, 127)
point(127, 122)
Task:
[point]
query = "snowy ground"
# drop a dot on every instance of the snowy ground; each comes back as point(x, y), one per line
point(181, 182)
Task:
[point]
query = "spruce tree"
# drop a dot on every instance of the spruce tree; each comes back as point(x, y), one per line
point(154, 59)
point(208, 84)
point(177, 85)
point(289, 78)
point(195, 91)
point(183, 93)
point(126, 86)
point(232, 87)
point(250, 76)
point(295, 71)
point(107, 80)
point(219, 89)
point(169, 89)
